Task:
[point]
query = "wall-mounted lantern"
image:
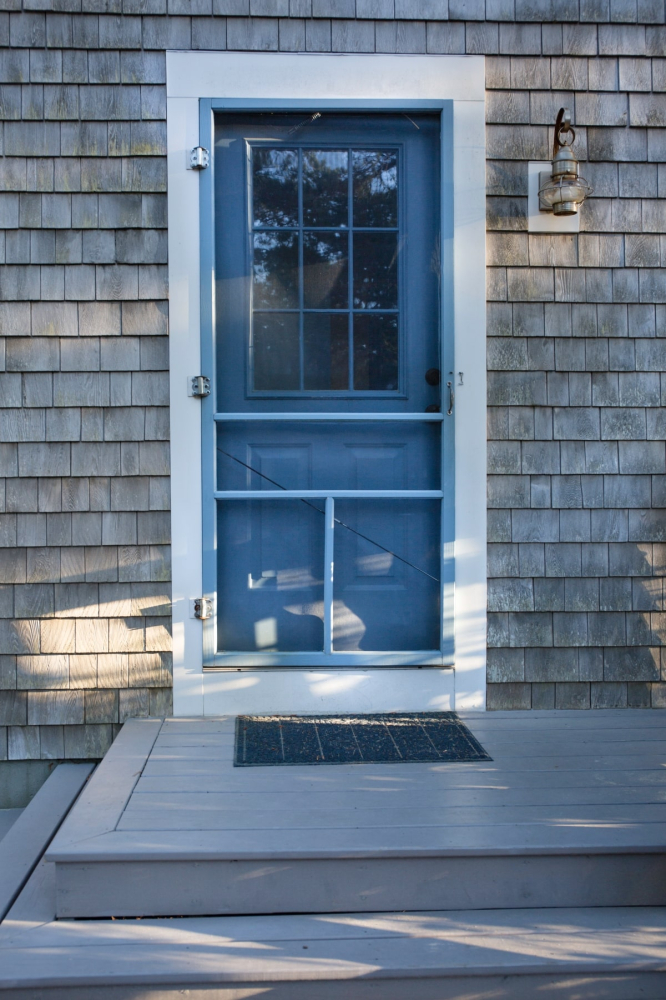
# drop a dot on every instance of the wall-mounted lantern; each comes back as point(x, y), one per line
point(563, 190)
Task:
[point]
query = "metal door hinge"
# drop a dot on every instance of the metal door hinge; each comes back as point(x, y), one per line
point(198, 385)
point(199, 158)
point(202, 608)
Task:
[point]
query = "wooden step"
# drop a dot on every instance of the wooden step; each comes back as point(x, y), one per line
point(573, 954)
point(176, 887)
point(148, 838)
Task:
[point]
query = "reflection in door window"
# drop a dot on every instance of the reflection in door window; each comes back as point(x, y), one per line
point(375, 187)
point(325, 187)
point(325, 277)
point(275, 187)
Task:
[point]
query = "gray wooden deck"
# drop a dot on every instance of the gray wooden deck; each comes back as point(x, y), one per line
point(570, 812)
point(571, 808)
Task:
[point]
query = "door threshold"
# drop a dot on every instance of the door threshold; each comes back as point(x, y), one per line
point(317, 690)
point(329, 661)
point(267, 668)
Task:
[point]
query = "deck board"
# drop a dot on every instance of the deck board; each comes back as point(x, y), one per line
point(616, 761)
point(177, 812)
point(164, 777)
point(519, 753)
point(234, 799)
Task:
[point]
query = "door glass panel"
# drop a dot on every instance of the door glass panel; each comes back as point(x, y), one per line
point(270, 558)
point(275, 187)
point(276, 351)
point(375, 351)
point(326, 351)
point(375, 187)
point(386, 582)
point(325, 187)
point(275, 271)
point(325, 258)
point(376, 270)
point(354, 455)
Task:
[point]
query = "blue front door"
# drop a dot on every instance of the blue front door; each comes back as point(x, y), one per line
point(328, 472)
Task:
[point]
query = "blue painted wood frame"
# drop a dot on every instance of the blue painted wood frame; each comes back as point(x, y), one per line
point(207, 108)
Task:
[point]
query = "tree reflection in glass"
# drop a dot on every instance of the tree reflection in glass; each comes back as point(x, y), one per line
point(325, 187)
point(375, 270)
point(276, 351)
point(275, 186)
point(275, 271)
point(325, 258)
point(326, 350)
point(375, 351)
point(375, 182)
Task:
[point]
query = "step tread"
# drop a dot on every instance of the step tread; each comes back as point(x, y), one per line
point(390, 841)
point(335, 947)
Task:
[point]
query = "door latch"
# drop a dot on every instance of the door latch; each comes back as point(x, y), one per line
point(202, 608)
point(198, 385)
point(452, 398)
point(199, 158)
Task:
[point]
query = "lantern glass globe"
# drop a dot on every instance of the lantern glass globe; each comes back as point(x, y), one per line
point(565, 194)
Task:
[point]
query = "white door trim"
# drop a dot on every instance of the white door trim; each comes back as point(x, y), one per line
point(195, 75)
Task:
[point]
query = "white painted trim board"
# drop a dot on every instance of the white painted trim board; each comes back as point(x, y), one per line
point(191, 76)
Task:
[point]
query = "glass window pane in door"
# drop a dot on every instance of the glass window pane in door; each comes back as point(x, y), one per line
point(375, 270)
point(275, 270)
point(325, 187)
point(325, 259)
point(375, 186)
point(275, 351)
point(270, 568)
point(375, 351)
point(326, 350)
point(386, 592)
point(275, 186)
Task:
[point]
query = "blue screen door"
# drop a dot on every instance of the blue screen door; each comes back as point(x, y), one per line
point(325, 538)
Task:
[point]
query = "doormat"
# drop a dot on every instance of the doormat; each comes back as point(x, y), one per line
point(265, 740)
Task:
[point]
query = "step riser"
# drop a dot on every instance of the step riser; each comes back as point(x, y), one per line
point(581, 986)
point(186, 888)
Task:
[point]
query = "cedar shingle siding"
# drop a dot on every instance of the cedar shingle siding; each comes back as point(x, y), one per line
point(576, 345)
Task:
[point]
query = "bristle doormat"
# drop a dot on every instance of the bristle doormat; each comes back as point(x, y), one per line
point(265, 740)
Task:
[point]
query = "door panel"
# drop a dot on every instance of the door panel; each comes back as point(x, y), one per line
point(354, 455)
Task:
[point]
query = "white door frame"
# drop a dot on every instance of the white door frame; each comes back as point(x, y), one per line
point(263, 76)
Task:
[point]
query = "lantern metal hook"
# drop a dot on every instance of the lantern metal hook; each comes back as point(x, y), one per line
point(563, 126)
